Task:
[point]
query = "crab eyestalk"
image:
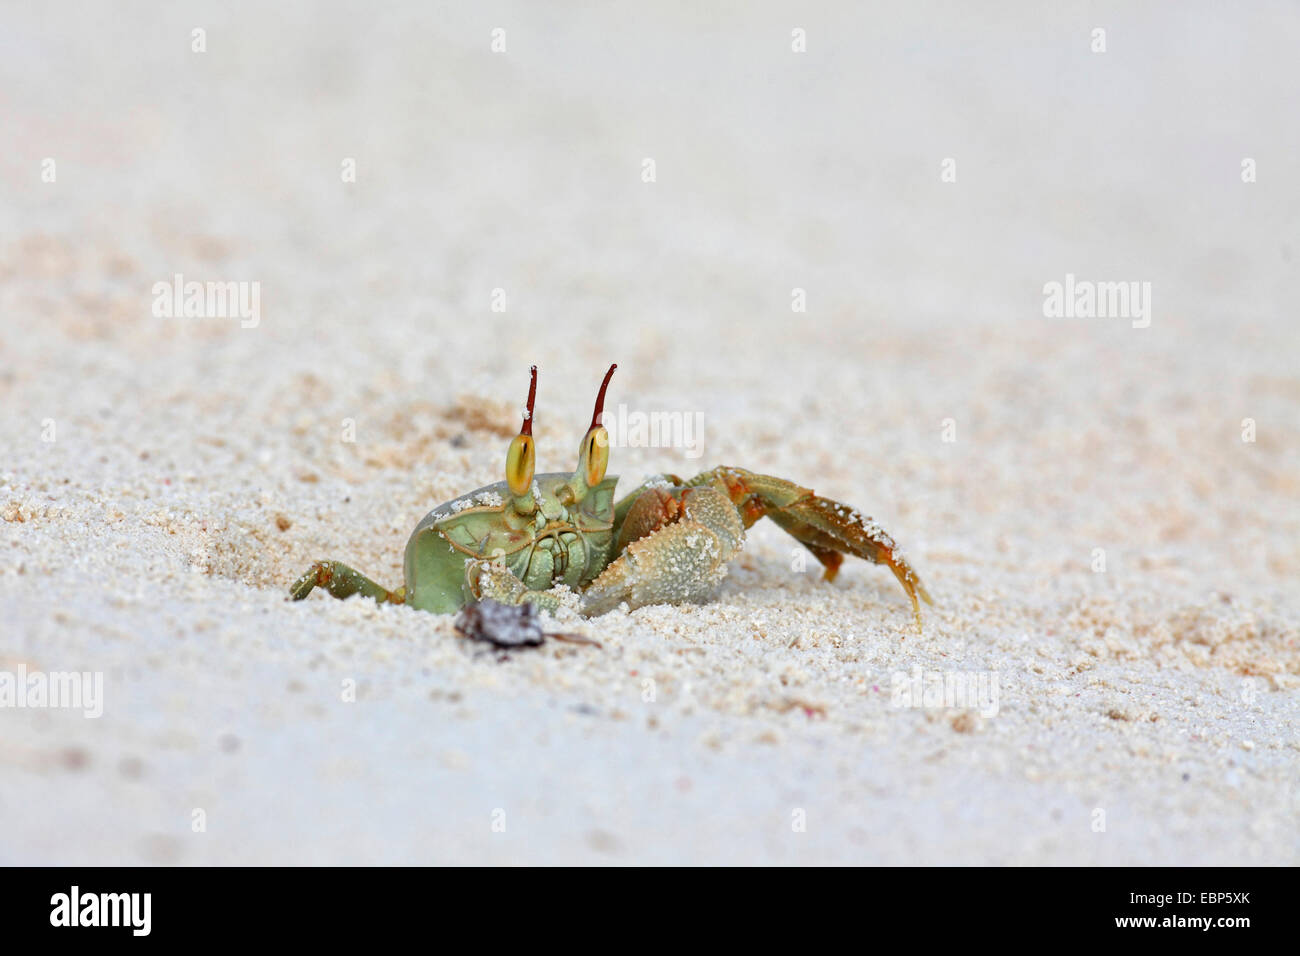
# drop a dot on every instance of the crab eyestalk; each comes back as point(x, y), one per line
point(593, 453)
point(521, 459)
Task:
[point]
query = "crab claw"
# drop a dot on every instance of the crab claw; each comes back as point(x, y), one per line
point(679, 554)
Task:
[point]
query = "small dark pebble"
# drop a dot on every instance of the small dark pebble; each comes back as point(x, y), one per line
point(74, 758)
point(161, 848)
point(501, 625)
point(602, 841)
point(508, 626)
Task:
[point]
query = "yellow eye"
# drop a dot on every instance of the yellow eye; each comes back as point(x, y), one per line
point(595, 452)
point(522, 455)
point(520, 460)
point(593, 455)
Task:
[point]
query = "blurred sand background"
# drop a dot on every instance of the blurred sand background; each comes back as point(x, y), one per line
point(197, 467)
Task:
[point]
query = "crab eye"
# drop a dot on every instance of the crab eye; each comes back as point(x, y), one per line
point(522, 456)
point(520, 461)
point(595, 453)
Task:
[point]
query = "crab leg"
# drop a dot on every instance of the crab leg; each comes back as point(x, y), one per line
point(342, 582)
point(826, 528)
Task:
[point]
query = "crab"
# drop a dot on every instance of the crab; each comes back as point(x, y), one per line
point(534, 538)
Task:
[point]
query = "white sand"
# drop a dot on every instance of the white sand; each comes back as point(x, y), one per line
point(144, 542)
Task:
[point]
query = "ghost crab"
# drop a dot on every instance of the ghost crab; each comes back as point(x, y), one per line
point(668, 542)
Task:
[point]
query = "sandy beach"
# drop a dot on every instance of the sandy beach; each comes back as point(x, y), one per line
point(820, 243)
